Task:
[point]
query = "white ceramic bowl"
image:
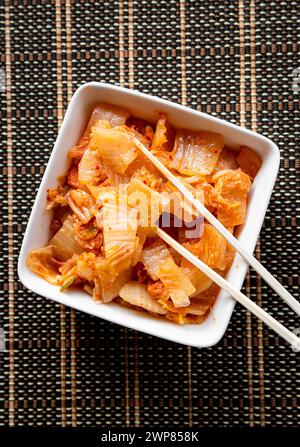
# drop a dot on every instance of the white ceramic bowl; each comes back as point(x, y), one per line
point(145, 106)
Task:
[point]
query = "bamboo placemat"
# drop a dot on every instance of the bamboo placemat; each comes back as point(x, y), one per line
point(233, 59)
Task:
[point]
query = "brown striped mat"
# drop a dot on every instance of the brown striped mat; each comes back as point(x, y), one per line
point(231, 58)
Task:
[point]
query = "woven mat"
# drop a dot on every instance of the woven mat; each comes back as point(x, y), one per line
point(233, 59)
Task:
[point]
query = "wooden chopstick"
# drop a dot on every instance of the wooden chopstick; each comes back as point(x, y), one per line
point(281, 330)
point(255, 264)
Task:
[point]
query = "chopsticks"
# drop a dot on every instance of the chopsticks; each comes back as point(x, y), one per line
point(255, 264)
point(264, 273)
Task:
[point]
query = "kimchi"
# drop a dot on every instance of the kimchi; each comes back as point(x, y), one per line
point(108, 204)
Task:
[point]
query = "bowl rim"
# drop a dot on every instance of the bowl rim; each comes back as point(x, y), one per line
point(217, 335)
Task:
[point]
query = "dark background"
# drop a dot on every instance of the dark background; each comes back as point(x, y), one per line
point(233, 59)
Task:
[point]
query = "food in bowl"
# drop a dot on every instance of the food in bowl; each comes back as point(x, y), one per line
point(109, 202)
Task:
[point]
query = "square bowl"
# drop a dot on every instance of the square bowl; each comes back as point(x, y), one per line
point(147, 107)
